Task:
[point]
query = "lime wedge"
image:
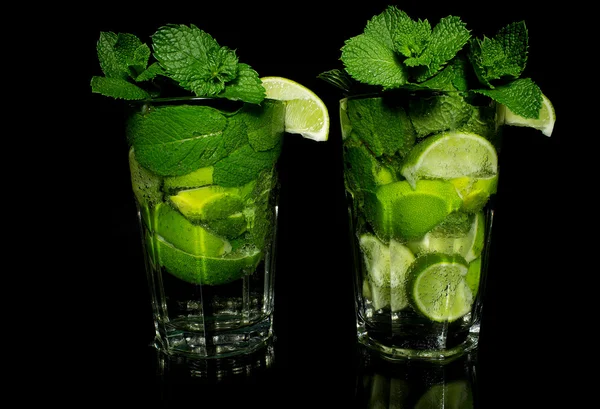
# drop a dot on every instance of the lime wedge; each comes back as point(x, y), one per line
point(206, 269)
point(474, 275)
point(179, 232)
point(397, 211)
point(460, 233)
point(544, 123)
point(210, 202)
point(450, 155)
point(145, 184)
point(197, 178)
point(437, 287)
point(386, 267)
point(306, 114)
point(475, 192)
point(452, 395)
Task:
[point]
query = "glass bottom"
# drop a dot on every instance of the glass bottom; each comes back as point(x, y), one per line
point(426, 348)
point(180, 337)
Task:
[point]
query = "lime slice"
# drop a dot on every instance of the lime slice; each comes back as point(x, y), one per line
point(397, 211)
point(174, 229)
point(544, 123)
point(452, 395)
point(437, 287)
point(197, 178)
point(450, 155)
point(386, 267)
point(474, 275)
point(475, 192)
point(460, 233)
point(206, 269)
point(210, 202)
point(305, 114)
point(145, 184)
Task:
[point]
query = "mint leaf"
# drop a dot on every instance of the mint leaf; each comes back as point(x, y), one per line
point(522, 96)
point(411, 39)
point(246, 87)
point(370, 57)
point(175, 140)
point(110, 63)
point(453, 77)
point(117, 88)
point(244, 165)
point(194, 59)
point(438, 113)
point(384, 128)
point(504, 55)
point(449, 36)
point(265, 122)
point(150, 72)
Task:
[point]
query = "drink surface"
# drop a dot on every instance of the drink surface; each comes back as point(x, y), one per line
point(421, 169)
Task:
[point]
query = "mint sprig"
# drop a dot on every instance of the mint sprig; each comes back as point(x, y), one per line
point(395, 51)
point(180, 54)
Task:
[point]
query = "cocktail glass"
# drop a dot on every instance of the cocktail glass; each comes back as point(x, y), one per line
point(209, 223)
point(421, 243)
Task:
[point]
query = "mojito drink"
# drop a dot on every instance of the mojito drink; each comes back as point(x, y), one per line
point(209, 224)
point(205, 134)
point(422, 121)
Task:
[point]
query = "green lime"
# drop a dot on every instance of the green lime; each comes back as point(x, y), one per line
point(386, 267)
point(210, 202)
point(305, 114)
point(450, 155)
point(475, 192)
point(451, 395)
point(474, 275)
point(437, 287)
point(197, 178)
point(398, 211)
point(229, 227)
point(145, 184)
point(206, 270)
point(460, 233)
point(174, 229)
point(544, 122)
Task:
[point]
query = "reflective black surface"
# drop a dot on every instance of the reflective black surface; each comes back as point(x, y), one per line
point(526, 348)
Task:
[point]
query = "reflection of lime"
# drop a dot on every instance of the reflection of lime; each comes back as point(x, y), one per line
point(206, 270)
point(452, 395)
point(437, 287)
point(450, 155)
point(398, 211)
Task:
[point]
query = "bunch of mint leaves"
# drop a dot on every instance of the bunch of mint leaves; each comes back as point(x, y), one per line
point(184, 56)
point(397, 52)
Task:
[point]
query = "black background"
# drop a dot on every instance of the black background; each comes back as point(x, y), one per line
point(105, 306)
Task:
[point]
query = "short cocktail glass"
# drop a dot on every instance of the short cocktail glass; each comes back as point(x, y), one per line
point(421, 210)
point(208, 219)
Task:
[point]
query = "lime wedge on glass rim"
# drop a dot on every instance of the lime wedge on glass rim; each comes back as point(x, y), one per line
point(544, 123)
point(306, 114)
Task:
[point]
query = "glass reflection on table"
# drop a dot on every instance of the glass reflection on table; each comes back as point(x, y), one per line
point(415, 385)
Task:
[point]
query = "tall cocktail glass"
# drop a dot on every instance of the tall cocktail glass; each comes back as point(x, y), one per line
point(205, 134)
point(421, 122)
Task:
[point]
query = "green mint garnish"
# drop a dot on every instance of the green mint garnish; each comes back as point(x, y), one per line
point(184, 55)
point(397, 52)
